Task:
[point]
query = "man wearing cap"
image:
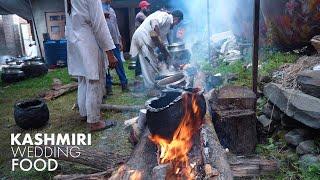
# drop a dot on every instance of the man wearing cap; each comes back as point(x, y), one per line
point(144, 12)
point(143, 44)
point(140, 17)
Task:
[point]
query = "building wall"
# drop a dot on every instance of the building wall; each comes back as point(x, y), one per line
point(128, 7)
point(40, 7)
point(10, 37)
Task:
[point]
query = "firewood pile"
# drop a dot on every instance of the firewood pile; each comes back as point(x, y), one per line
point(206, 158)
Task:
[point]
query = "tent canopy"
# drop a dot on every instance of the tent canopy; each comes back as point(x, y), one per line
point(18, 7)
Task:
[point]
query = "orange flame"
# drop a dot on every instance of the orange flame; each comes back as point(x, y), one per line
point(176, 151)
point(136, 176)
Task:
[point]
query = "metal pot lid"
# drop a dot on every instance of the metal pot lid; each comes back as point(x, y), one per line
point(172, 80)
point(12, 71)
point(178, 44)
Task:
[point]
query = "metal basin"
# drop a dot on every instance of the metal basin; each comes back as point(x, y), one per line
point(178, 79)
point(176, 47)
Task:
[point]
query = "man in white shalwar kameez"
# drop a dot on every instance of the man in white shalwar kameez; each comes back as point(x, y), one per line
point(142, 45)
point(89, 44)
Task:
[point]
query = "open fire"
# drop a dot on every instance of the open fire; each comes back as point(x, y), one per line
point(175, 151)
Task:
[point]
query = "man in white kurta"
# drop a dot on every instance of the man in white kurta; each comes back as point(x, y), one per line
point(161, 22)
point(89, 41)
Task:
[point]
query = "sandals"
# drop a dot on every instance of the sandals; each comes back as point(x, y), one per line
point(108, 124)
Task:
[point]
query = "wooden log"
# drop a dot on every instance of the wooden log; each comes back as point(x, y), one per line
point(108, 107)
point(234, 118)
point(236, 97)
point(213, 154)
point(141, 162)
point(237, 130)
point(253, 167)
point(95, 176)
point(59, 91)
point(95, 159)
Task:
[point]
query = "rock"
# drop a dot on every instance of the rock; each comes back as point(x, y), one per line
point(308, 160)
point(296, 136)
point(315, 41)
point(264, 121)
point(297, 105)
point(272, 111)
point(307, 147)
point(291, 123)
point(265, 79)
point(231, 77)
point(309, 81)
point(316, 68)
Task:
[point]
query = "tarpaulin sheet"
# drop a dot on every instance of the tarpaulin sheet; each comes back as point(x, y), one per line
point(18, 7)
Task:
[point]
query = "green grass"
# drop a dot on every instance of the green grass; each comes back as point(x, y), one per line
point(237, 68)
point(273, 61)
point(269, 63)
point(62, 120)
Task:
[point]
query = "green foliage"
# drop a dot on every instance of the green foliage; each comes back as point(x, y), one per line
point(238, 68)
point(273, 61)
point(313, 172)
point(289, 161)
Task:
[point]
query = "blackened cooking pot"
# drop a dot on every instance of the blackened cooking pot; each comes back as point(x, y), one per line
point(165, 113)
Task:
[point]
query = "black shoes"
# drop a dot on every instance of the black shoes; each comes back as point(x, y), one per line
point(125, 88)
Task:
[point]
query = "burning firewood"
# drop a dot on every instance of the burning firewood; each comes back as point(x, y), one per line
point(176, 151)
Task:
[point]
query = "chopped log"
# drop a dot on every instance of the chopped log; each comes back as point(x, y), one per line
point(236, 97)
point(141, 162)
point(58, 91)
point(95, 159)
point(234, 118)
point(237, 130)
point(213, 154)
point(108, 107)
point(96, 176)
point(253, 167)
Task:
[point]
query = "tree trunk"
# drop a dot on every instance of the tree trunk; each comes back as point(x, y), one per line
point(253, 167)
point(96, 176)
point(120, 108)
point(234, 118)
point(95, 159)
point(213, 153)
point(141, 162)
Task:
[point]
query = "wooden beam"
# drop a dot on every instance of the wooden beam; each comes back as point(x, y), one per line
point(253, 167)
point(255, 56)
point(108, 107)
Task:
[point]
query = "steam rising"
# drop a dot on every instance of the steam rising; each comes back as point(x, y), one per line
point(223, 16)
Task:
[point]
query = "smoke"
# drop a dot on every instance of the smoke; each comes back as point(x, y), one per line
point(203, 18)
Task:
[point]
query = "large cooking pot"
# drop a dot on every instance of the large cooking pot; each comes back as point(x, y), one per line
point(164, 113)
point(31, 114)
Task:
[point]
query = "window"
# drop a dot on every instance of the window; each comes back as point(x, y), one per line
point(55, 29)
point(63, 17)
point(54, 18)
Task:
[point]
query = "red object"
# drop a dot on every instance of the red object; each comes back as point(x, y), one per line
point(144, 4)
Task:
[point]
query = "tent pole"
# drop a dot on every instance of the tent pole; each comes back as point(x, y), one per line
point(209, 29)
point(255, 57)
point(35, 28)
